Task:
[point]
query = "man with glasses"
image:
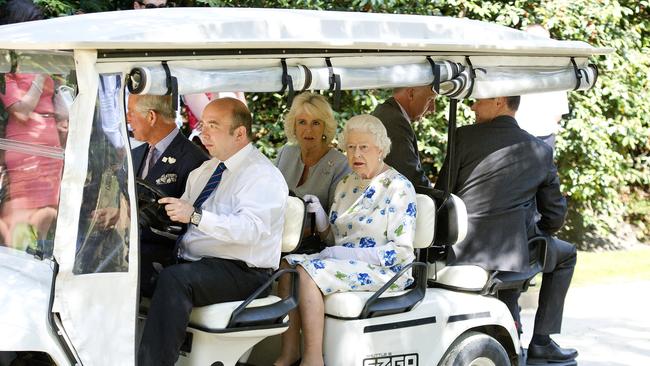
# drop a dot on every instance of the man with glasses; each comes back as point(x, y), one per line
point(149, 4)
point(165, 160)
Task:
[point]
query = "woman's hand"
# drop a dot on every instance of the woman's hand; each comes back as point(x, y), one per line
point(106, 217)
point(314, 206)
point(23, 110)
point(39, 81)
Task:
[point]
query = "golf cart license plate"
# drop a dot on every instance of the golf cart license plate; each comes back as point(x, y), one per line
point(410, 359)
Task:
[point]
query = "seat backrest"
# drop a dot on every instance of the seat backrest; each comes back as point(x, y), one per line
point(450, 217)
point(294, 218)
point(425, 221)
point(456, 213)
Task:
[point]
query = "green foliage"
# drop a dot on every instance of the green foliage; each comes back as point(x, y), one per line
point(604, 148)
point(603, 151)
point(54, 8)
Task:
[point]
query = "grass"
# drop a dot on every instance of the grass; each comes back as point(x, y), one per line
point(613, 266)
point(597, 268)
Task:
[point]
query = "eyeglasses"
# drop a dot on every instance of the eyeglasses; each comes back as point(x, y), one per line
point(154, 6)
point(352, 149)
point(206, 126)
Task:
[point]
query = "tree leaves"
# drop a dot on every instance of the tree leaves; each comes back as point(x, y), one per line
point(603, 150)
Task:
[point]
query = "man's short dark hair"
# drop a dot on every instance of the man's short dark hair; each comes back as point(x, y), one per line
point(241, 116)
point(513, 102)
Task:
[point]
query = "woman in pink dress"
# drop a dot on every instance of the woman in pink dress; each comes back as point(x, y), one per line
point(33, 180)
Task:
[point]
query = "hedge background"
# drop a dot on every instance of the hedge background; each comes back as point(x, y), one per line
point(603, 151)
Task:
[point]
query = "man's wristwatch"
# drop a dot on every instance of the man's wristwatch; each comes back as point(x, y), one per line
point(195, 218)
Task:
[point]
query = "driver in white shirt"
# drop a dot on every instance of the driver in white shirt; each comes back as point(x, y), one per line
point(234, 207)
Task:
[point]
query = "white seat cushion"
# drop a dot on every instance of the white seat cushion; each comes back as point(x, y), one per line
point(466, 277)
point(350, 304)
point(217, 316)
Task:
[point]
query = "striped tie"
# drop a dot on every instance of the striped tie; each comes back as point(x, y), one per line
point(212, 184)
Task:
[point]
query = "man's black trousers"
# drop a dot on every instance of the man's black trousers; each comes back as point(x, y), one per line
point(558, 271)
point(186, 285)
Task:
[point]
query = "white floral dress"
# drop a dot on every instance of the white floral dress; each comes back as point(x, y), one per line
point(376, 214)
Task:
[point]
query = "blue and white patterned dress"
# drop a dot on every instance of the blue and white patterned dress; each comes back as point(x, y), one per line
point(375, 214)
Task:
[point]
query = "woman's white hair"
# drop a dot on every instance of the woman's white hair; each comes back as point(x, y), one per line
point(315, 105)
point(371, 125)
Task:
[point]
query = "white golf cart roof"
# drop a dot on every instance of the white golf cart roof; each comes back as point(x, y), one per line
point(233, 28)
point(229, 49)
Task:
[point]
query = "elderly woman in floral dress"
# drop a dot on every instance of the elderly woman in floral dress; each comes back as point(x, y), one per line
point(372, 226)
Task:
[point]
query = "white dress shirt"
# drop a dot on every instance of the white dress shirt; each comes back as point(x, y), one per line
point(243, 219)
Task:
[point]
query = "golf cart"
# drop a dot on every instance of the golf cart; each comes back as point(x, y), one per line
point(70, 281)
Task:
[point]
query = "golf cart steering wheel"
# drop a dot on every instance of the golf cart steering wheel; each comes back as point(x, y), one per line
point(151, 213)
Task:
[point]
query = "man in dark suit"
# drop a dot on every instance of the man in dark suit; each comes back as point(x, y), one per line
point(505, 175)
point(164, 160)
point(407, 105)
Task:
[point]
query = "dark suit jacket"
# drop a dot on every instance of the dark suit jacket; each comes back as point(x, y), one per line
point(169, 177)
point(404, 154)
point(504, 175)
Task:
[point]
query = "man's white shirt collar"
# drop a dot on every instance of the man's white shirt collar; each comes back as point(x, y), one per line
point(164, 143)
point(234, 162)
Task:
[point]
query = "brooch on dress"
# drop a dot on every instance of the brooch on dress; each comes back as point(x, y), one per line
point(166, 178)
point(328, 171)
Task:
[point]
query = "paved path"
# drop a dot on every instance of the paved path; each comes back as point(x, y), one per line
point(608, 324)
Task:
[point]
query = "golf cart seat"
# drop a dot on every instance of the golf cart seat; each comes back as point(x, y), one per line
point(212, 328)
point(501, 280)
point(451, 229)
point(476, 279)
point(362, 305)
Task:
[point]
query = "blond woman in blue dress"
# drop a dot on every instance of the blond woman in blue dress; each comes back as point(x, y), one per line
point(371, 226)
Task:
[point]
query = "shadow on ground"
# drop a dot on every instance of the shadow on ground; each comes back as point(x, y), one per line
point(608, 324)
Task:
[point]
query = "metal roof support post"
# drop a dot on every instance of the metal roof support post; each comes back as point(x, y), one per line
point(451, 134)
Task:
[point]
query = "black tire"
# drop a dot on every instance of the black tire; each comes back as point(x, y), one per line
point(475, 349)
point(25, 359)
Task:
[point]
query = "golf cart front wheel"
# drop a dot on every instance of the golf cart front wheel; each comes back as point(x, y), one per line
point(475, 349)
